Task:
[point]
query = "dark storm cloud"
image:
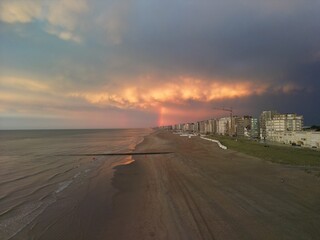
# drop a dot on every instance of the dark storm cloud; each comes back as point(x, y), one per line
point(226, 39)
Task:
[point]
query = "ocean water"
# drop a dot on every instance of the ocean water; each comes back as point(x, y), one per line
point(47, 196)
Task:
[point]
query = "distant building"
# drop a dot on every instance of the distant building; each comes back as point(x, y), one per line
point(272, 126)
point(191, 127)
point(243, 126)
point(283, 123)
point(213, 125)
point(178, 127)
point(185, 127)
point(202, 127)
point(197, 127)
point(287, 129)
point(264, 117)
point(207, 127)
point(188, 127)
point(224, 126)
point(254, 131)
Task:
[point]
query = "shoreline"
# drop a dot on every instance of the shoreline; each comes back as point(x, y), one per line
point(203, 192)
point(77, 204)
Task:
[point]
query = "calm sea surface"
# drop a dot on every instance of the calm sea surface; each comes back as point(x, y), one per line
point(45, 196)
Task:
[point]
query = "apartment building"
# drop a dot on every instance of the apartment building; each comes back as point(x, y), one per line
point(264, 117)
point(224, 126)
point(243, 125)
point(254, 131)
point(283, 123)
point(213, 125)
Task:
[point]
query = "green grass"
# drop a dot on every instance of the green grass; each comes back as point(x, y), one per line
point(274, 153)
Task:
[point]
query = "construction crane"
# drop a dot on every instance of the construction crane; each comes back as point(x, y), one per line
point(231, 115)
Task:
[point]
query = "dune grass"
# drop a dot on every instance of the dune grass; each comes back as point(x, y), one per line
point(274, 153)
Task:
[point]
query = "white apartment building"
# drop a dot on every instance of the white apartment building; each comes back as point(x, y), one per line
point(287, 129)
point(283, 123)
point(207, 127)
point(223, 125)
point(213, 125)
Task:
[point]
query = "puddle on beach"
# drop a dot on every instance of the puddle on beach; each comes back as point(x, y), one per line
point(126, 161)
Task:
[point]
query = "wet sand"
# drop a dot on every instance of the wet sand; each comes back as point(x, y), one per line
point(203, 192)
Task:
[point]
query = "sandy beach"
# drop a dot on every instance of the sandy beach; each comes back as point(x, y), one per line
point(203, 192)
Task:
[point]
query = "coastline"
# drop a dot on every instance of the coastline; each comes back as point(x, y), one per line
point(74, 201)
point(128, 181)
point(203, 192)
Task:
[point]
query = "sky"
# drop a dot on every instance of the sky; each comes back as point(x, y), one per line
point(144, 63)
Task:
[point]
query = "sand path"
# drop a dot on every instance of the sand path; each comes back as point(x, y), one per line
point(204, 192)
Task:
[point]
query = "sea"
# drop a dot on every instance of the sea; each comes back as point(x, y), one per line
point(47, 192)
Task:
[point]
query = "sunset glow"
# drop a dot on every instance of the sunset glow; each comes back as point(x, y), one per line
point(178, 93)
point(81, 63)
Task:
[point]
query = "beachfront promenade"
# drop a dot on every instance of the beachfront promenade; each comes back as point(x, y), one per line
point(201, 191)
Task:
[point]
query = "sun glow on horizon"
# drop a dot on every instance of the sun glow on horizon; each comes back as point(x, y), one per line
point(170, 100)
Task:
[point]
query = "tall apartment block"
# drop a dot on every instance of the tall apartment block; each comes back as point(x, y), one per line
point(283, 123)
point(243, 125)
point(254, 131)
point(264, 117)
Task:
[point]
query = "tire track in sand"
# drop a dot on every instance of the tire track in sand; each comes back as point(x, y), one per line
point(194, 209)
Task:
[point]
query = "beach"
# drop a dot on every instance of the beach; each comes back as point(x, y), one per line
point(192, 190)
point(201, 191)
point(57, 184)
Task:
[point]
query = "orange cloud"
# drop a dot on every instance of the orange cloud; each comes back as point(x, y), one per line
point(177, 92)
point(169, 99)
